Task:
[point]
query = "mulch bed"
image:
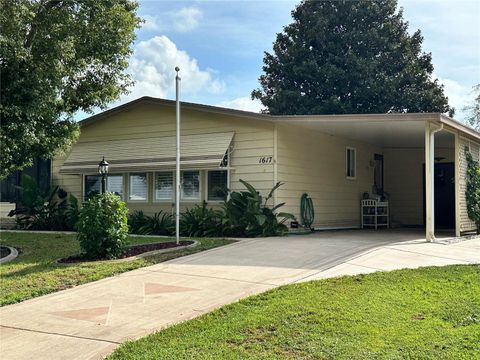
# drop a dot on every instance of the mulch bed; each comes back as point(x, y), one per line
point(130, 251)
point(4, 251)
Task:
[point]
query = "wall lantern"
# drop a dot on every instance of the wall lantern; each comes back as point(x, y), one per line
point(103, 170)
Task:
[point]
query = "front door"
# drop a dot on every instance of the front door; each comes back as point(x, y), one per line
point(444, 195)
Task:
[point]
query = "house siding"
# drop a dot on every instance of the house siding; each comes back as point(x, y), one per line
point(252, 140)
point(313, 162)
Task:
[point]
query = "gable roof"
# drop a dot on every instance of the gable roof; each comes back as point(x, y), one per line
point(171, 103)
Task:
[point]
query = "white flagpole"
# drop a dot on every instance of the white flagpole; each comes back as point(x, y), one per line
point(177, 173)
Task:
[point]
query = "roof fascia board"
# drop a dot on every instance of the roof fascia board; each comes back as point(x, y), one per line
point(358, 117)
point(459, 126)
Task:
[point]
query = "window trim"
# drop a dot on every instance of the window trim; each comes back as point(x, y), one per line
point(154, 196)
point(129, 187)
point(207, 182)
point(347, 149)
point(200, 184)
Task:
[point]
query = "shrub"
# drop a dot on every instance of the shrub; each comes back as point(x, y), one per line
point(472, 193)
point(102, 227)
point(160, 223)
point(71, 213)
point(136, 220)
point(246, 214)
point(201, 221)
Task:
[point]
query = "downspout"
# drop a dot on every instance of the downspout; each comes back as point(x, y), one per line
point(431, 188)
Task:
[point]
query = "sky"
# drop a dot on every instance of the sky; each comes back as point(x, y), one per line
point(219, 47)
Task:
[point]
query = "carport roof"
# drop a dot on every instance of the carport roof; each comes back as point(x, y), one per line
point(385, 130)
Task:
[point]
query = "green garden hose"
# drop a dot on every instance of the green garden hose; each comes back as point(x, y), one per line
point(307, 213)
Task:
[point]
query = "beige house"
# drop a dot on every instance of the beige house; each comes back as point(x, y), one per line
point(333, 158)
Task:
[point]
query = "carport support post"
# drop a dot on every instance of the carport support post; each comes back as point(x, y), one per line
point(430, 131)
point(457, 185)
point(429, 183)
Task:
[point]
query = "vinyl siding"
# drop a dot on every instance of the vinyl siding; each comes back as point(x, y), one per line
point(313, 162)
point(252, 140)
point(70, 183)
point(404, 182)
point(465, 223)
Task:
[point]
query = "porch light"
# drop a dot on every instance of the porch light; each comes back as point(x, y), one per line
point(103, 170)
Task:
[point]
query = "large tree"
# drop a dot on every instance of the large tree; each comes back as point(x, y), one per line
point(346, 56)
point(473, 109)
point(56, 58)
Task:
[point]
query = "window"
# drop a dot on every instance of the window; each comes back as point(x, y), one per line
point(217, 185)
point(164, 186)
point(378, 174)
point(93, 185)
point(191, 185)
point(115, 184)
point(351, 163)
point(138, 187)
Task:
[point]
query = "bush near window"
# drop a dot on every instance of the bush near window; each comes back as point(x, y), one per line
point(201, 221)
point(160, 223)
point(38, 209)
point(245, 214)
point(473, 189)
point(136, 220)
point(102, 227)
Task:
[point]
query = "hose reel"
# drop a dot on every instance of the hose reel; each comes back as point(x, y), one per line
point(307, 212)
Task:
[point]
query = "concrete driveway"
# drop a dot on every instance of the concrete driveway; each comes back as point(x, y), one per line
point(89, 321)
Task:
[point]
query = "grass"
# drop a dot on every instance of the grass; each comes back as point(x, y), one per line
point(427, 313)
point(35, 273)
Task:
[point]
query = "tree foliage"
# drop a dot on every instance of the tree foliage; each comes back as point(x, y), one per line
point(342, 56)
point(472, 192)
point(58, 57)
point(473, 109)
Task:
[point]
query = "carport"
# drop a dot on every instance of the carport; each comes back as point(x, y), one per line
point(421, 164)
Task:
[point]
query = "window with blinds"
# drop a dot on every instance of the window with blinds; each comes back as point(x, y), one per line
point(138, 188)
point(164, 186)
point(115, 185)
point(190, 185)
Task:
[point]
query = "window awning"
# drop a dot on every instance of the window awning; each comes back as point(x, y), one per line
point(199, 151)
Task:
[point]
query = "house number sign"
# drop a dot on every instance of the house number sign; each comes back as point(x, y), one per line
point(265, 160)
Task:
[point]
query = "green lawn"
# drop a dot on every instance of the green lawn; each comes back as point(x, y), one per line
point(429, 313)
point(35, 273)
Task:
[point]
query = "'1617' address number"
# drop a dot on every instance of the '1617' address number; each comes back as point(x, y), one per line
point(265, 160)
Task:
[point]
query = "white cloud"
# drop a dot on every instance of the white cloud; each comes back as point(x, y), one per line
point(182, 20)
point(458, 96)
point(187, 18)
point(243, 103)
point(152, 68)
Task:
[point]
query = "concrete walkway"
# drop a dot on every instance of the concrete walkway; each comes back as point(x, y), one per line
point(89, 321)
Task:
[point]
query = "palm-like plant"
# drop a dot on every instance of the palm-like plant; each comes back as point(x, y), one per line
point(201, 221)
point(247, 214)
point(160, 223)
